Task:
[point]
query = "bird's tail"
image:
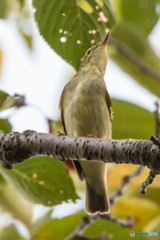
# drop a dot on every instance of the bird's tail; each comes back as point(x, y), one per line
point(96, 203)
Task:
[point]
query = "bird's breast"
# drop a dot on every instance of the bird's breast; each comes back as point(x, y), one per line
point(86, 111)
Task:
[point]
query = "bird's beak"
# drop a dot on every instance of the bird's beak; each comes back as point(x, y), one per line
point(104, 42)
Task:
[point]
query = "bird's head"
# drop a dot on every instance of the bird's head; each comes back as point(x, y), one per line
point(96, 55)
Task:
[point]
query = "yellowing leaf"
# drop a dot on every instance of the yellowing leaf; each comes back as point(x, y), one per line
point(143, 210)
point(118, 171)
point(99, 2)
point(85, 6)
point(153, 225)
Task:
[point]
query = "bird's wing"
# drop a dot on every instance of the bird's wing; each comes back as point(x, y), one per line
point(75, 163)
point(109, 104)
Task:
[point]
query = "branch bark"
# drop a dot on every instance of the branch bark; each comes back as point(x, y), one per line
point(16, 147)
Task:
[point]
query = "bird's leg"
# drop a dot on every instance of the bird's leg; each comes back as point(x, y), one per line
point(61, 133)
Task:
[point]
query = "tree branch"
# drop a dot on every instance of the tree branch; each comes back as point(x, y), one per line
point(87, 221)
point(16, 147)
point(134, 59)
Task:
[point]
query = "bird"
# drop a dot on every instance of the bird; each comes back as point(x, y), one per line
point(86, 109)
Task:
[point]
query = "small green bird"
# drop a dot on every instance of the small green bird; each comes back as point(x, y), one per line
point(85, 108)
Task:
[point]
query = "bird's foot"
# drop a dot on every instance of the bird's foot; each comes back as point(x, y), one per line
point(91, 136)
point(61, 133)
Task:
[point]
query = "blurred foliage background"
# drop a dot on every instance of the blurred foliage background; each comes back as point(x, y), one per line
point(70, 27)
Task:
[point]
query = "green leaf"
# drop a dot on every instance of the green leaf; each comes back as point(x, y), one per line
point(5, 126)
point(132, 47)
point(12, 202)
point(113, 229)
point(2, 181)
point(25, 19)
point(3, 9)
point(22, 2)
point(2, 187)
point(3, 97)
point(153, 194)
point(69, 26)
point(10, 232)
point(131, 121)
point(6, 101)
point(1, 60)
point(53, 229)
point(142, 210)
point(42, 180)
point(35, 226)
point(7, 7)
point(27, 38)
point(140, 12)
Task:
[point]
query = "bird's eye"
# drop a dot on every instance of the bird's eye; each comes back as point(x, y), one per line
point(88, 52)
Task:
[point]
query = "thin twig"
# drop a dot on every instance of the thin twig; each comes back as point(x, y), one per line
point(157, 120)
point(156, 141)
point(19, 101)
point(102, 237)
point(125, 181)
point(147, 182)
point(134, 59)
point(87, 221)
point(127, 223)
